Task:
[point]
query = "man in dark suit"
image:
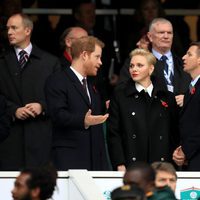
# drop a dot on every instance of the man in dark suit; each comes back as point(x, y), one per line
point(188, 153)
point(4, 120)
point(75, 109)
point(24, 69)
point(168, 72)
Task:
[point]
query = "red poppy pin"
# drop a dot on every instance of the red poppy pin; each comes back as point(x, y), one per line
point(192, 90)
point(95, 89)
point(164, 103)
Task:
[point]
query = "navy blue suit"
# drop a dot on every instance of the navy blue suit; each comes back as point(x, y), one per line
point(74, 147)
point(190, 128)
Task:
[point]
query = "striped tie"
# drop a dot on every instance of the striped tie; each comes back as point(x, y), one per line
point(23, 58)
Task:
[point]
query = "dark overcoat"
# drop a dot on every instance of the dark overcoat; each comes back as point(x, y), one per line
point(74, 146)
point(29, 141)
point(190, 128)
point(141, 128)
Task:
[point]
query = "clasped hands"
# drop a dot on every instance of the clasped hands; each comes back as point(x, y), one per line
point(94, 119)
point(179, 156)
point(29, 110)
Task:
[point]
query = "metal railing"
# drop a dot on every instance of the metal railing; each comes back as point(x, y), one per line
point(122, 11)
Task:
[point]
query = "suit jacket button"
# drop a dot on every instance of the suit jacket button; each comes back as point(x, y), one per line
point(162, 159)
point(161, 137)
point(134, 136)
point(134, 158)
point(136, 96)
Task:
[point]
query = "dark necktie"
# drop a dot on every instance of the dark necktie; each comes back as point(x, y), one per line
point(164, 59)
point(84, 81)
point(23, 58)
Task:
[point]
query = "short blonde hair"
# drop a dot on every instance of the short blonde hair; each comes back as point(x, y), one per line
point(143, 52)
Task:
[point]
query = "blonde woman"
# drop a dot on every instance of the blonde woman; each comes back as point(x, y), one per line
point(142, 124)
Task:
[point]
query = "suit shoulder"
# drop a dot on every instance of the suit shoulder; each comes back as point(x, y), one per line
point(57, 76)
point(121, 86)
point(42, 53)
point(6, 52)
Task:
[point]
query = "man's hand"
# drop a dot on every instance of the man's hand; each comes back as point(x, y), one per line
point(35, 108)
point(179, 100)
point(23, 113)
point(121, 168)
point(179, 156)
point(94, 119)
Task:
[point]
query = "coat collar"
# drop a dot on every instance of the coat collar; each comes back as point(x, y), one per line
point(189, 96)
point(131, 89)
point(77, 84)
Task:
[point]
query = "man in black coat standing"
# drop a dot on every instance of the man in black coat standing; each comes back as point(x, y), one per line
point(75, 109)
point(188, 154)
point(24, 69)
point(168, 73)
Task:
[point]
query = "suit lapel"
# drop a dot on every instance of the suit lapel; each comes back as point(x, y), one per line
point(188, 97)
point(77, 85)
point(177, 72)
point(158, 75)
point(14, 70)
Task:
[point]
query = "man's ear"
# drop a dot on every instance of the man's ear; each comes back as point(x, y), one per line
point(35, 193)
point(198, 61)
point(68, 42)
point(84, 55)
point(149, 36)
point(28, 31)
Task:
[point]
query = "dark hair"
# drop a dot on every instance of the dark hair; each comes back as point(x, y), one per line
point(43, 178)
point(63, 36)
point(131, 192)
point(197, 44)
point(148, 173)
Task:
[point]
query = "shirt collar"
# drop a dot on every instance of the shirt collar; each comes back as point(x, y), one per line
point(193, 82)
point(159, 55)
point(79, 76)
point(28, 49)
point(149, 89)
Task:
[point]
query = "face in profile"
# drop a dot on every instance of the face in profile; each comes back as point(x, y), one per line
point(18, 33)
point(140, 70)
point(190, 60)
point(93, 61)
point(75, 34)
point(143, 43)
point(164, 178)
point(21, 190)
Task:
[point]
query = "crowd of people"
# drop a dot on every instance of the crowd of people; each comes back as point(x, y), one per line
point(55, 109)
point(66, 111)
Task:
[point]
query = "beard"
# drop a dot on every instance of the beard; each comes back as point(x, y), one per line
point(27, 196)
